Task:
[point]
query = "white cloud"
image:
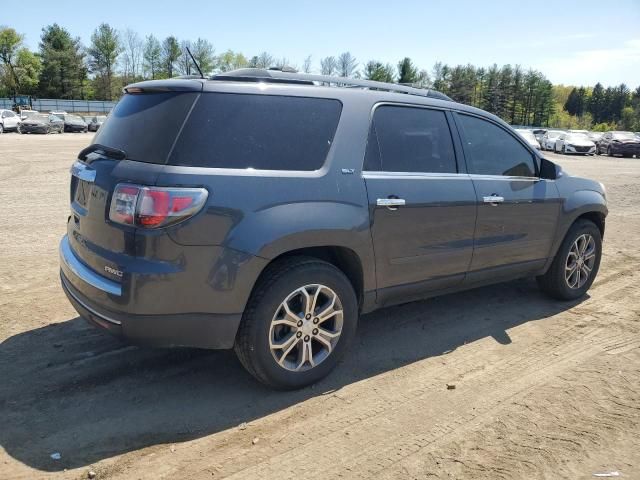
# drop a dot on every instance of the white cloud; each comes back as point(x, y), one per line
point(586, 67)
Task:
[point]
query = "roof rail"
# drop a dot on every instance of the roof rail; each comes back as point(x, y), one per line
point(277, 76)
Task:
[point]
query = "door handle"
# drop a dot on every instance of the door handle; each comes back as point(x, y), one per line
point(493, 199)
point(391, 203)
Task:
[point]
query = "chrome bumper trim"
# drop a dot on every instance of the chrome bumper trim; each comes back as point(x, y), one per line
point(102, 316)
point(84, 273)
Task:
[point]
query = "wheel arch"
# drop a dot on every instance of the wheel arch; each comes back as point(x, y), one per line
point(343, 258)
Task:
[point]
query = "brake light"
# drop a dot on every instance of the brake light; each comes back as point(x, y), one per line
point(154, 207)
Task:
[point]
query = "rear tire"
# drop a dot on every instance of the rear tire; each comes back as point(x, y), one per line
point(1, 129)
point(282, 327)
point(559, 282)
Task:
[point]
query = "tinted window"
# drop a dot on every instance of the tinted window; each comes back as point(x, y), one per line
point(145, 125)
point(405, 139)
point(257, 131)
point(493, 151)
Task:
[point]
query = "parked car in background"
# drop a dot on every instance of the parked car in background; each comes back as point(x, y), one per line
point(626, 144)
point(9, 121)
point(95, 122)
point(595, 137)
point(583, 132)
point(575, 143)
point(549, 139)
point(42, 123)
point(74, 123)
point(27, 113)
point(539, 133)
point(165, 247)
point(529, 137)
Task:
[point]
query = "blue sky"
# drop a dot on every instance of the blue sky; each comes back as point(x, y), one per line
point(571, 42)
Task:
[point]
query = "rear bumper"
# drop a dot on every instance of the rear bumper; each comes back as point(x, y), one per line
point(199, 330)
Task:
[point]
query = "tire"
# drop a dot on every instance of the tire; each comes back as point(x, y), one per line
point(48, 131)
point(564, 150)
point(557, 281)
point(278, 285)
point(609, 154)
point(1, 129)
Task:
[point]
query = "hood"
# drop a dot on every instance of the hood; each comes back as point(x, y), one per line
point(73, 121)
point(628, 141)
point(581, 143)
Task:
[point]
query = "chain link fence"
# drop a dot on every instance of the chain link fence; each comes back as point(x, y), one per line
point(52, 104)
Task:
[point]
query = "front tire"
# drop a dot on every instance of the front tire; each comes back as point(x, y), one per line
point(576, 264)
point(299, 322)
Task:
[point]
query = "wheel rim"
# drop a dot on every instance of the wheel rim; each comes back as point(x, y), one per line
point(580, 261)
point(306, 327)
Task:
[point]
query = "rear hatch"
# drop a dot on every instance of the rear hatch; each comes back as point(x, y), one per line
point(131, 147)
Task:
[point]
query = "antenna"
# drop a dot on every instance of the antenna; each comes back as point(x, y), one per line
point(194, 62)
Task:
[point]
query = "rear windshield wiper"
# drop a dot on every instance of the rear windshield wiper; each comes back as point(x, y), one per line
point(108, 151)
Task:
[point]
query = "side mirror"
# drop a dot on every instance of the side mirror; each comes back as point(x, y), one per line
point(549, 170)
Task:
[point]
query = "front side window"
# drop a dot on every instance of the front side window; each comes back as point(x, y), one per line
point(491, 150)
point(409, 139)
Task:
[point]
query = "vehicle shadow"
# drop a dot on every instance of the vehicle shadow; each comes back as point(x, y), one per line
point(71, 389)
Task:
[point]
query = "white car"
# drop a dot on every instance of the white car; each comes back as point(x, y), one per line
point(8, 121)
point(549, 139)
point(575, 143)
point(529, 137)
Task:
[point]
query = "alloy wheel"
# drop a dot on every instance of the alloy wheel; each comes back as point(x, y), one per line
point(580, 261)
point(306, 327)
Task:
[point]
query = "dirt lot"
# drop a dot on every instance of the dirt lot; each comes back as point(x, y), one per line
point(543, 389)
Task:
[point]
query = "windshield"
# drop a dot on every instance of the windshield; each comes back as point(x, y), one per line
point(577, 137)
point(73, 118)
point(39, 117)
point(554, 134)
point(624, 136)
point(145, 125)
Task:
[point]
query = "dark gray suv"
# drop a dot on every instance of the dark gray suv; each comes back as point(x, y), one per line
point(265, 211)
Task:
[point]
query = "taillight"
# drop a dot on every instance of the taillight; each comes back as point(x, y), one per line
point(154, 207)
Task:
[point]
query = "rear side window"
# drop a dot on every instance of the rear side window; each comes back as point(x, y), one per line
point(145, 125)
point(493, 151)
point(407, 139)
point(258, 131)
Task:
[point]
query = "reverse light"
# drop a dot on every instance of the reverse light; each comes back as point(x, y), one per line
point(154, 207)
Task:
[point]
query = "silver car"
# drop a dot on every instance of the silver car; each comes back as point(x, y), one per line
point(575, 143)
point(549, 139)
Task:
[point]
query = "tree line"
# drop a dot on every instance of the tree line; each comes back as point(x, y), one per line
point(63, 67)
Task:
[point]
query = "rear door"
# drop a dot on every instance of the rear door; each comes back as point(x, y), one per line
point(422, 206)
point(517, 210)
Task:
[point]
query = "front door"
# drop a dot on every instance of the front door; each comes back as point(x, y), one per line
point(423, 211)
point(517, 210)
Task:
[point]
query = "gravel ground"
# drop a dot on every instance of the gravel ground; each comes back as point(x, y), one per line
point(542, 389)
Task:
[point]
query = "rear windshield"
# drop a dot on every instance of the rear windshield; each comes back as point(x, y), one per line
point(258, 131)
point(145, 125)
point(223, 130)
